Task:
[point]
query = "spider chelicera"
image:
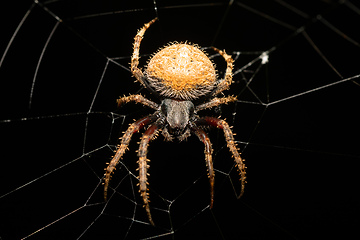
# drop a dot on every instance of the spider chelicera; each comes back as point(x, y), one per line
point(178, 74)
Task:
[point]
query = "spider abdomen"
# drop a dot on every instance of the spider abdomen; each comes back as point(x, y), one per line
point(181, 71)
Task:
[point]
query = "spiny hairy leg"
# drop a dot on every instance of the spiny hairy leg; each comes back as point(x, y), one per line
point(138, 99)
point(229, 137)
point(226, 82)
point(149, 134)
point(135, 56)
point(208, 159)
point(133, 128)
point(215, 102)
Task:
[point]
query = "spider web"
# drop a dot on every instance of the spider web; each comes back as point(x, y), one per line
point(64, 63)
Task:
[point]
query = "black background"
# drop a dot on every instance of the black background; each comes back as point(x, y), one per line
point(301, 152)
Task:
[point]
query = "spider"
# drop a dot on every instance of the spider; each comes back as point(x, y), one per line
point(178, 74)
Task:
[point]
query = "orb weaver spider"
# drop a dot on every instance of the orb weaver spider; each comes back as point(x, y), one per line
point(177, 74)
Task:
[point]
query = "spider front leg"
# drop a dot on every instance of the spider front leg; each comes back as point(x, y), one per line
point(229, 136)
point(149, 134)
point(133, 128)
point(208, 159)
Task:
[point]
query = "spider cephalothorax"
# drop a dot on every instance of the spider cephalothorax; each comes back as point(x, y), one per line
point(178, 74)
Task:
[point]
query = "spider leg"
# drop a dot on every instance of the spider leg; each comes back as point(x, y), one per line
point(226, 82)
point(215, 102)
point(135, 56)
point(138, 99)
point(229, 136)
point(208, 159)
point(133, 128)
point(149, 134)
